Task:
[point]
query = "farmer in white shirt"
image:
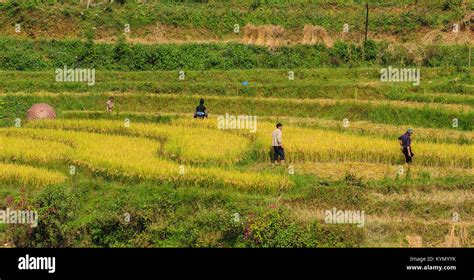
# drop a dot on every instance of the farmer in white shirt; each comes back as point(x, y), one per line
point(277, 145)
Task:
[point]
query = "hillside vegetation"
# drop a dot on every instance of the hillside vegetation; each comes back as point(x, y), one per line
point(215, 20)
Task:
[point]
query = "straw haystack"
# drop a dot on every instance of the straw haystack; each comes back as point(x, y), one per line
point(264, 35)
point(314, 34)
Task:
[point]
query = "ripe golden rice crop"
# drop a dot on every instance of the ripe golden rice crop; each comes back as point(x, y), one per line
point(27, 149)
point(27, 176)
point(117, 156)
point(145, 151)
point(303, 144)
point(312, 144)
point(435, 135)
point(193, 144)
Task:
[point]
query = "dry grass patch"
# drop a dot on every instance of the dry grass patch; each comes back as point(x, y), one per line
point(447, 197)
point(376, 171)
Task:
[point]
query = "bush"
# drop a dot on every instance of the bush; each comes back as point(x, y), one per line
point(55, 206)
point(370, 50)
point(21, 61)
point(112, 230)
point(277, 228)
point(353, 180)
point(272, 229)
point(451, 4)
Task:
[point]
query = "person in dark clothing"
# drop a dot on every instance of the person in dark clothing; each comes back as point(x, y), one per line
point(405, 143)
point(201, 111)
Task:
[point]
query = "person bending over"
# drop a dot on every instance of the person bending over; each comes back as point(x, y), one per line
point(201, 111)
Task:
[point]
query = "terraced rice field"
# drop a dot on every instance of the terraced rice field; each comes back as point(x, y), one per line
point(183, 180)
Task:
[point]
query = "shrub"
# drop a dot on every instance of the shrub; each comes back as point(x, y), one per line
point(273, 228)
point(113, 230)
point(55, 206)
point(353, 180)
point(277, 228)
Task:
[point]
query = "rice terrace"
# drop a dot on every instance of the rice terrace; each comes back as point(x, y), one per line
point(154, 123)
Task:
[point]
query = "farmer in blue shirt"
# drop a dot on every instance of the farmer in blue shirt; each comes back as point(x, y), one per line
point(405, 143)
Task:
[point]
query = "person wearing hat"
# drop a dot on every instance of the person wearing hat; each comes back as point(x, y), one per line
point(201, 111)
point(405, 143)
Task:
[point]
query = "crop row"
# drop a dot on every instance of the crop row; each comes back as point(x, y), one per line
point(301, 144)
point(27, 176)
point(307, 144)
point(133, 158)
point(395, 113)
point(186, 144)
point(357, 128)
